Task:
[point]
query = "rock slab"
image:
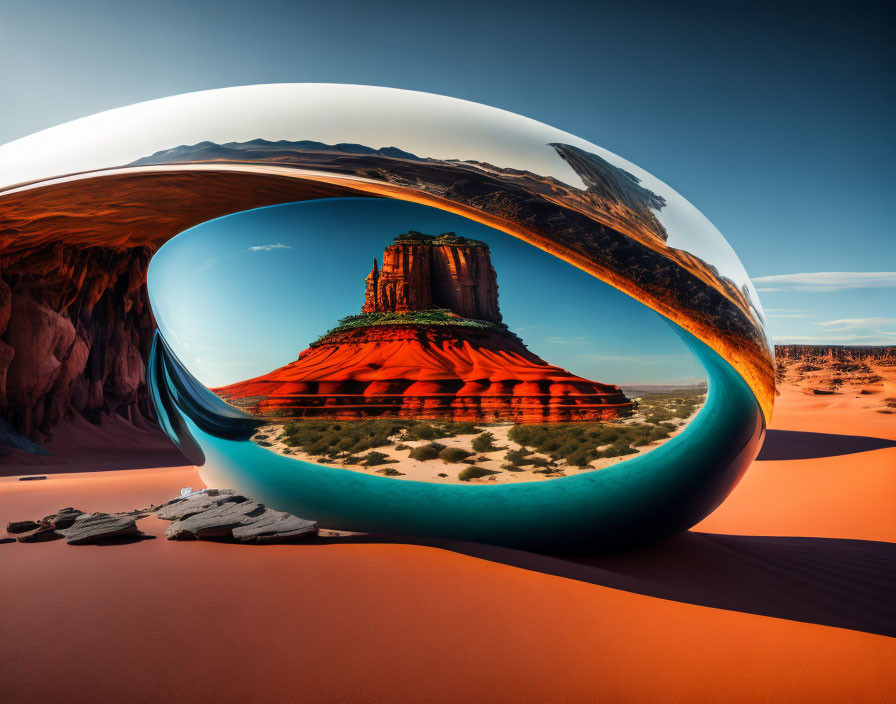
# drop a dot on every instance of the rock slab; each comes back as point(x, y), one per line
point(223, 514)
point(97, 527)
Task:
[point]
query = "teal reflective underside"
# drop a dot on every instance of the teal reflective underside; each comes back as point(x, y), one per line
point(644, 498)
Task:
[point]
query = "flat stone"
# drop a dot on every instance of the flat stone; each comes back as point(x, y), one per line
point(198, 502)
point(223, 514)
point(215, 522)
point(40, 535)
point(14, 527)
point(275, 527)
point(96, 527)
point(63, 518)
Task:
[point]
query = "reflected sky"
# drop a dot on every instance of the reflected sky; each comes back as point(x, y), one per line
point(421, 123)
point(242, 295)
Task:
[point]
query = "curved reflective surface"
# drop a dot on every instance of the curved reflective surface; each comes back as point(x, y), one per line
point(138, 176)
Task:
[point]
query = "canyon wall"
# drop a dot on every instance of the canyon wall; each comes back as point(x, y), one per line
point(75, 332)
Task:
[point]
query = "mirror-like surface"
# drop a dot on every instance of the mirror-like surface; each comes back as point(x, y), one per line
point(268, 393)
point(210, 153)
point(434, 357)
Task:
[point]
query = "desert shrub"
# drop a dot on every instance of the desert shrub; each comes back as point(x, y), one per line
point(434, 431)
point(578, 443)
point(518, 458)
point(484, 442)
point(461, 428)
point(540, 462)
point(581, 458)
point(424, 431)
point(325, 437)
point(427, 452)
point(373, 459)
point(469, 473)
point(453, 454)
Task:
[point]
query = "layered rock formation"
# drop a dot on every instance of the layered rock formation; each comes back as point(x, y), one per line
point(421, 272)
point(459, 362)
point(427, 372)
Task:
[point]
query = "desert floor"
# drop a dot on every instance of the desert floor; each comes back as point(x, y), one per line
point(784, 594)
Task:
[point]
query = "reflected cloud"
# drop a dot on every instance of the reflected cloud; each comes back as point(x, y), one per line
point(823, 281)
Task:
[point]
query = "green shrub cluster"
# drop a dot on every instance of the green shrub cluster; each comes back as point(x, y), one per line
point(426, 452)
point(662, 407)
point(485, 443)
point(331, 438)
point(453, 455)
point(469, 473)
point(577, 443)
point(429, 431)
point(334, 438)
point(374, 459)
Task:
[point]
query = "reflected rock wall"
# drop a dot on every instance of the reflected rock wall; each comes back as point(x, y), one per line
point(75, 333)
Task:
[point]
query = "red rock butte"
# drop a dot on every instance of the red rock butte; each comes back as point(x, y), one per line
point(428, 344)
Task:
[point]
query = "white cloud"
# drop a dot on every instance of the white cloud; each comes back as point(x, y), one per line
point(268, 247)
point(875, 338)
point(825, 281)
point(637, 358)
point(856, 323)
point(565, 340)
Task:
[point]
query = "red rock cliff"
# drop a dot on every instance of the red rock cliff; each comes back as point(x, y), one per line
point(75, 330)
point(425, 372)
point(421, 272)
point(468, 367)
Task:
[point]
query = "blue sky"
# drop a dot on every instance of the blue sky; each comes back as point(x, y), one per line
point(242, 295)
point(774, 119)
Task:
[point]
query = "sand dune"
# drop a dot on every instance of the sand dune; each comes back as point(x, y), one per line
point(780, 595)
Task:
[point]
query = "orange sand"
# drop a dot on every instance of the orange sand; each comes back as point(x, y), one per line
point(343, 621)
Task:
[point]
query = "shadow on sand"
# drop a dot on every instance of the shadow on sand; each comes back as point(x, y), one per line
point(826, 581)
point(800, 445)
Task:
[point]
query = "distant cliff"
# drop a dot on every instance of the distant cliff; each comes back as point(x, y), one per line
point(837, 352)
point(421, 272)
point(864, 371)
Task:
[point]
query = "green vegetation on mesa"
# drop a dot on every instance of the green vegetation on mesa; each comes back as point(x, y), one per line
point(429, 317)
point(414, 237)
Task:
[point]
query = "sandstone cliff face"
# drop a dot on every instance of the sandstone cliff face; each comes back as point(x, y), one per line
point(421, 272)
point(425, 372)
point(458, 369)
point(75, 331)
